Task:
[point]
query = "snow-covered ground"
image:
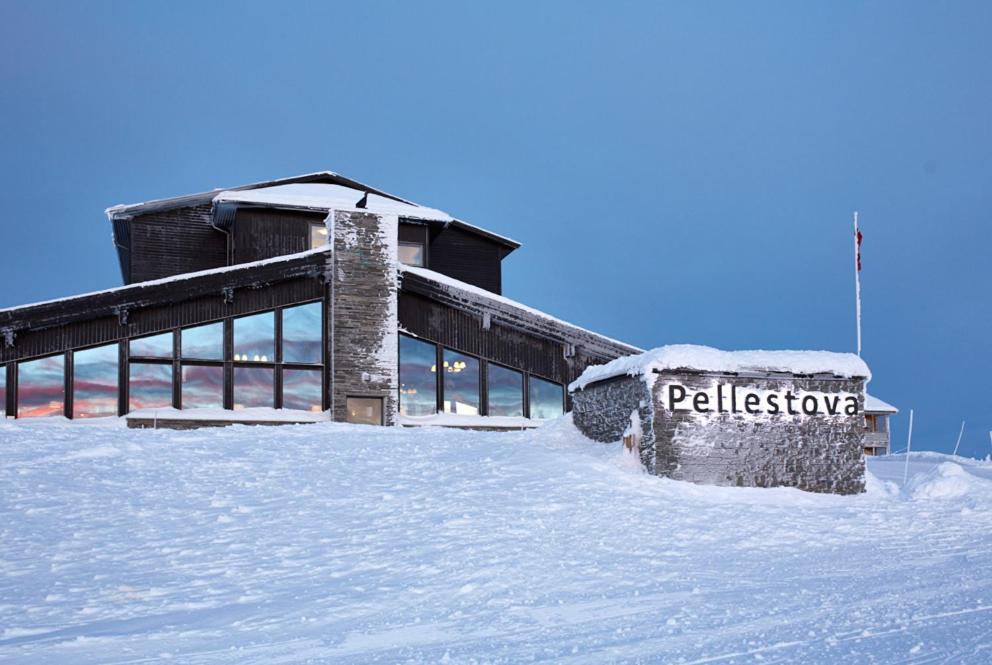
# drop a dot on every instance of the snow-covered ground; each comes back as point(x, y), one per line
point(349, 544)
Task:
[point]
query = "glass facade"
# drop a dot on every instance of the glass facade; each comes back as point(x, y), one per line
point(461, 383)
point(203, 342)
point(3, 391)
point(547, 399)
point(506, 391)
point(203, 386)
point(302, 389)
point(41, 387)
point(94, 382)
point(418, 377)
point(302, 341)
point(150, 386)
point(255, 338)
point(253, 387)
point(156, 346)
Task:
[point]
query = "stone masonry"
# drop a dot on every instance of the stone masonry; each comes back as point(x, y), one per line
point(362, 324)
point(602, 412)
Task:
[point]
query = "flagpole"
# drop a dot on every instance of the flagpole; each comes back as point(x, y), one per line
point(857, 280)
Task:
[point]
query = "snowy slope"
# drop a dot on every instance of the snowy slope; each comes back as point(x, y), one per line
point(348, 544)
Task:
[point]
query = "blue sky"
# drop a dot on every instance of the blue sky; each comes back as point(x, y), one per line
point(676, 172)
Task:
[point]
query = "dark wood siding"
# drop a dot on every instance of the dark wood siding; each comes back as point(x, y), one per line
point(172, 242)
point(467, 257)
point(263, 233)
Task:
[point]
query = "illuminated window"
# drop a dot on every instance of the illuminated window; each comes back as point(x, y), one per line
point(318, 236)
point(203, 386)
point(301, 389)
point(461, 383)
point(254, 338)
point(203, 342)
point(365, 410)
point(418, 377)
point(411, 253)
point(253, 387)
point(150, 386)
point(506, 391)
point(156, 346)
point(41, 387)
point(547, 400)
point(302, 341)
point(94, 382)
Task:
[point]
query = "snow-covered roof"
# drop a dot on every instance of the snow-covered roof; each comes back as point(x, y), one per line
point(325, 196)
point(457, 284)
point(708, 359)
point(875, 405)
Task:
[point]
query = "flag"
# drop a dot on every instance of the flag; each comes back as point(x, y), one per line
point(858, 243)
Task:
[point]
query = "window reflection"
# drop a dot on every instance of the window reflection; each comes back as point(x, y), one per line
point(418, 377)
point(150, 386)
point(546, 399)
point(41, 387)
point(301, 334)
point(301, 389)
point(156, 346)
point(94, 382)
point(461, 383)
point(203, 342)
point(318, 235)
point(506, 391)
point(203, 387)
point(3, 391)
point(411, 253)
point(253, 386)
point(254, 338)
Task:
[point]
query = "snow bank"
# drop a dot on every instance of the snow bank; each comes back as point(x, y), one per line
point(333, 543)
point(708, 359)
point(251, 415)
point(948, 481)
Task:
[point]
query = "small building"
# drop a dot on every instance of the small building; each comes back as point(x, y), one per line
point(877, 435)
point(745, 418)
point(293, 300)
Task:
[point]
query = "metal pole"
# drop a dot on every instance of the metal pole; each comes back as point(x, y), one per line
point(857, 282)
point(909, 447)
point(956, 445)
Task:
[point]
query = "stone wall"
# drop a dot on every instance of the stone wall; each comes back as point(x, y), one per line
point(364, 353)
point(602, 412)
point(819, 453)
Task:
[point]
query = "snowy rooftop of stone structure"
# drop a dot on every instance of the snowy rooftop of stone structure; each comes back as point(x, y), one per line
point(708, 359)
point(875, 405)
point(330, 197)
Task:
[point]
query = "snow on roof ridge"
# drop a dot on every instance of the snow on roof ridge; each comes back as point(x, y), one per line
point(709, 359)
point(475, 290)
point(873, 404)
point(175, 278)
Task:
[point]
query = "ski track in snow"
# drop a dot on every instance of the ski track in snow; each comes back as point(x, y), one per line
point(349, 544)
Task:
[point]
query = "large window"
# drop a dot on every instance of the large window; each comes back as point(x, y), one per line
point(203, 386)
point(94, 382)
point(418, 377)
point(411, 253)
point(506, 391)
point(150, 386)
point(547, 400)
point(302, 389)
point(302, 341)
point(3, 391)
point(253, 387)
point(156, 346)
point(41, 387)
point(365, 410)
point(461, 383)
point(203, 342)
point(255, 338)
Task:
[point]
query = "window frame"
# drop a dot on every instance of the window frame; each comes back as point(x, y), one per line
point(413, 243)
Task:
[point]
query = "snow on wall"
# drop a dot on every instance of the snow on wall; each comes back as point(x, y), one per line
point(708, 359)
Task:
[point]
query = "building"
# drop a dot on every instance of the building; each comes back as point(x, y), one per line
point(877, 437)
point(307, 298)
